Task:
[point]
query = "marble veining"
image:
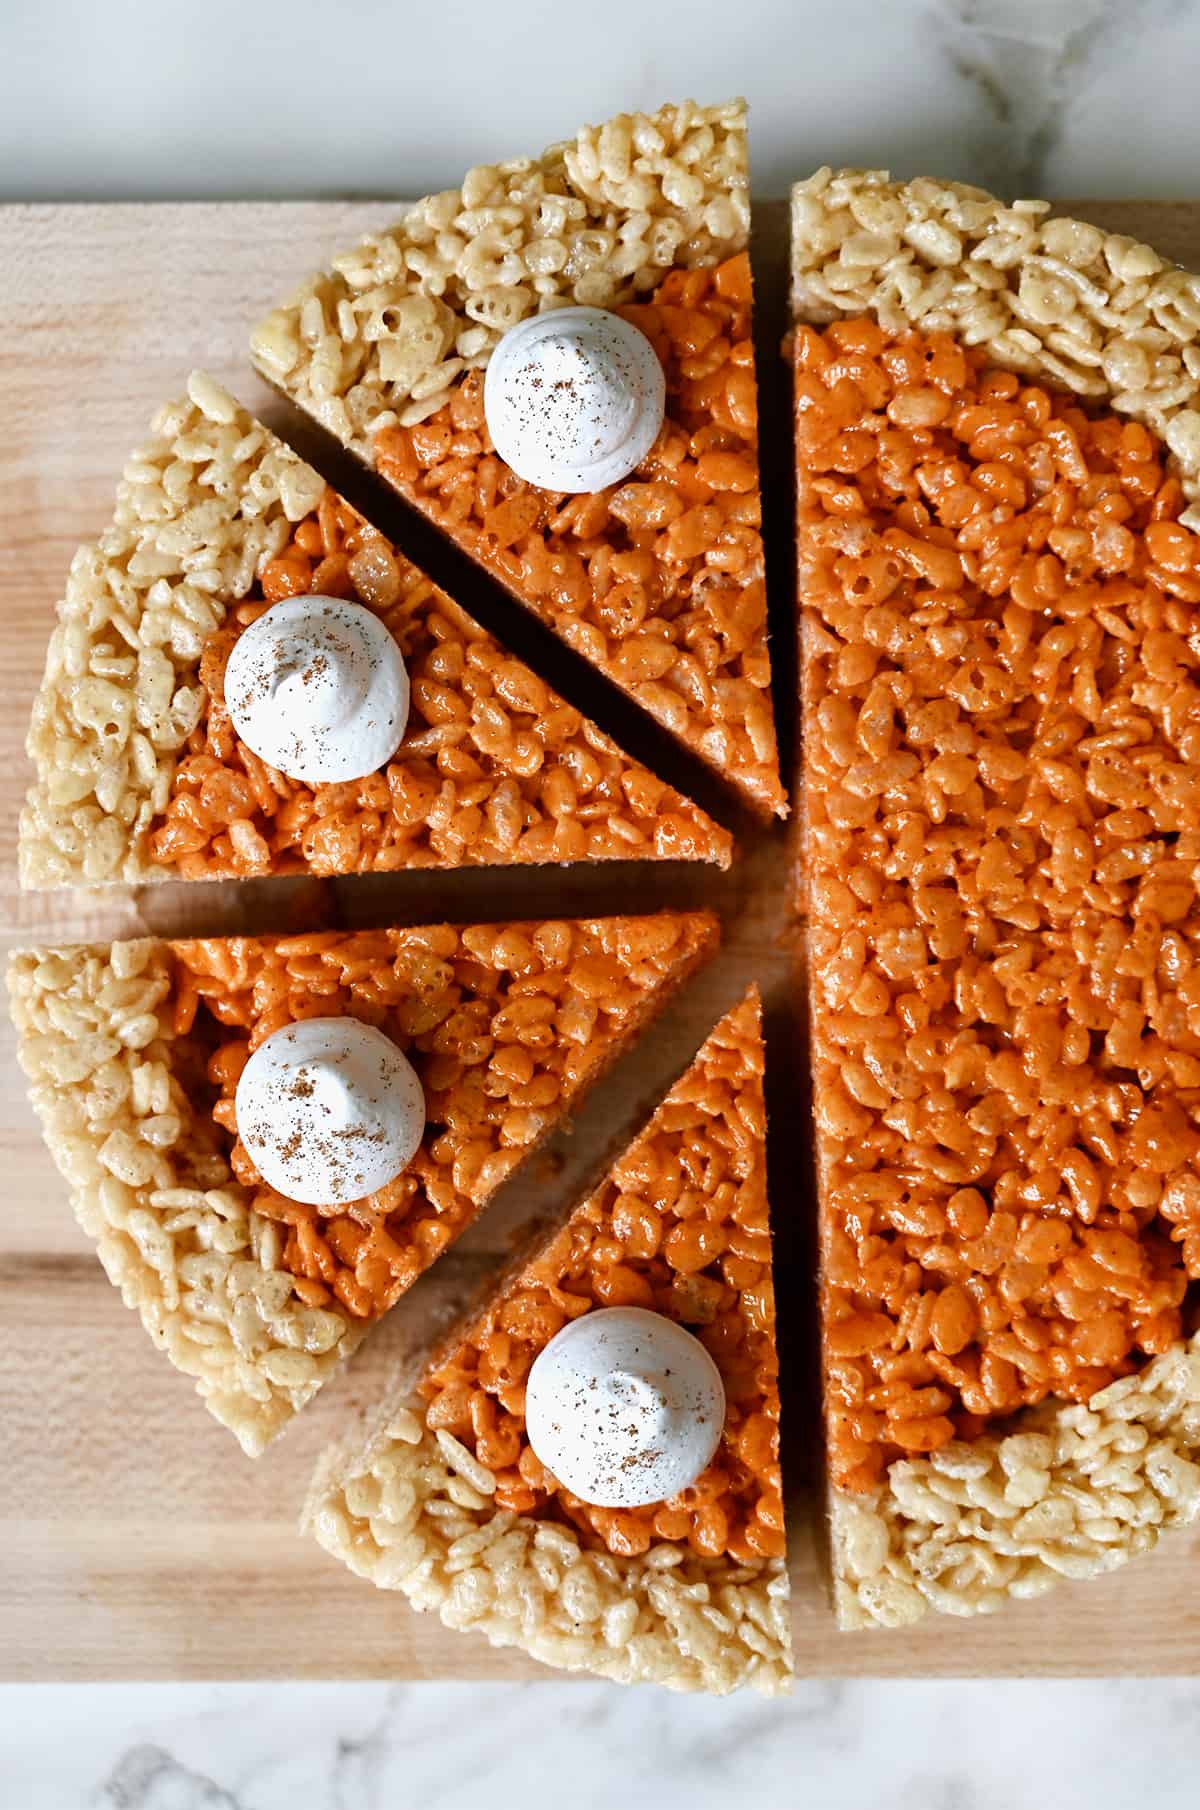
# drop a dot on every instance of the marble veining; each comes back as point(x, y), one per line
point(1105, 1745)
point(1071, 96)
point(1082, 97)
point(1033, 69)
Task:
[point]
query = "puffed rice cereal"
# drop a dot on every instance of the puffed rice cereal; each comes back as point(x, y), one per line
point(451, 1507)
point(382, 336)
point(658, 581)
point(140, 775)
point(259, 1298)
point(1071, 1491)
point(1059, 300)
point(1000, 832)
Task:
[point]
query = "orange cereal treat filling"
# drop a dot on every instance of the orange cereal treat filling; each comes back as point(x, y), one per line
point(506, 1025)
point(680, 1227)
point(659, 580)
point(495, 767)
point(1003, 801)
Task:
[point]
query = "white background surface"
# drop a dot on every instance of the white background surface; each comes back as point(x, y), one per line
point(591, 1746)
point(142, 98)
point(114, 98)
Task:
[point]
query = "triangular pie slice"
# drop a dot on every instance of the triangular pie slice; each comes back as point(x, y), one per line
point(998, 452)
point(140, 775)
point(133, 1051)
point(659, 580)
point(444, 1500)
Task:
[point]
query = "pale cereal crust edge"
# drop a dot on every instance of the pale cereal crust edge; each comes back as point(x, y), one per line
point(172, 1226)
point(200, 510)
point(388, 330)
point(1003, 1518)
point(1071, 1491)
point(383, 334)
point(1059, 300)
point(410, 1510)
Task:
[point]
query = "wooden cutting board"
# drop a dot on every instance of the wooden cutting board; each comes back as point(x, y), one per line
point(135, 1540)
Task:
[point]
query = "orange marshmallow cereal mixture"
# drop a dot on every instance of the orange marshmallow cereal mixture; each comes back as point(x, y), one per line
point(659, 580)
point(679, 1226)
point(505, 1025)
point(1001, 653)
point(494, 766)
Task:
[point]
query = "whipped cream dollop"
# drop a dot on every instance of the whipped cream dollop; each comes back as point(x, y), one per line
point(574, 398)
point(329, 1110)
point(624, 1407)
point(317, 687)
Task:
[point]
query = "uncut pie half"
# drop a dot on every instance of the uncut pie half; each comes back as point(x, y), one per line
point(657, 580)
point(141, 776)
point(998, 448)
point(446, 1501)
point(134, 1051)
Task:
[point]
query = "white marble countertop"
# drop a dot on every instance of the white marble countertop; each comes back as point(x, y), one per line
point(148, 98)
point(1110, 1745)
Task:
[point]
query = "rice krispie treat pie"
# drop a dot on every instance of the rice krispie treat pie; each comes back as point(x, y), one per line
point(1000, 662)
point(135, 1052)
point(142, 774)
point(652, 570)
point(447, 1499)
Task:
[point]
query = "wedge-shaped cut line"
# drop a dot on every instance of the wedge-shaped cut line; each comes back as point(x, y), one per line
point(1000, 673)
point(140, 775)
point(133, 1051)
point(446, 1501)
point(657, 581)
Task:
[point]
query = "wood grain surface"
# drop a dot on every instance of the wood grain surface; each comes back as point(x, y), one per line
point(135, 1539)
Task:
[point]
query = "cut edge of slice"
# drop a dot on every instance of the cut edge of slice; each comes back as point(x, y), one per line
point(383, 338)
point(1037, 292)
point(202, 509)
point(150, 1182)
point(409, 1508)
